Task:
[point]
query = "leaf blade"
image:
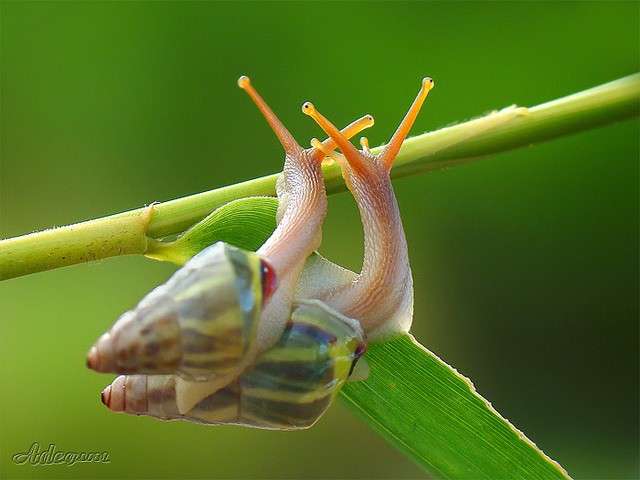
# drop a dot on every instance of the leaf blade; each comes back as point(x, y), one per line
point(435, 416)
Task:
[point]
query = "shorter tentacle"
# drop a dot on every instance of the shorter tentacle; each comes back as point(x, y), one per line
point(332, 154)
point(350, 152)
point(364, 142)
point(350, 130)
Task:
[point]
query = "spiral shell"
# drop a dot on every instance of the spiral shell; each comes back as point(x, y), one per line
point(289, 386)
point(198, 325)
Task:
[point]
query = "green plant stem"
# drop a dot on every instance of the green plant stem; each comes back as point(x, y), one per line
point(499, 131)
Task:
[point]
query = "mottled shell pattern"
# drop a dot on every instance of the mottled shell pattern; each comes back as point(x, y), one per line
point(288, 387)
point(198, 325)
point(212, 344)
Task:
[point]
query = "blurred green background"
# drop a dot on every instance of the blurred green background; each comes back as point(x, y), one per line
point(526, 264)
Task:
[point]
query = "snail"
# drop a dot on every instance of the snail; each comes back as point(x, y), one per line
point(290, 384)
point(380, 297)
point(225, 305)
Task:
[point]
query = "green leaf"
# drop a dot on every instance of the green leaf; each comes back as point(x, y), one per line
point(412, 398)
point(435, 416)
point(245, 223)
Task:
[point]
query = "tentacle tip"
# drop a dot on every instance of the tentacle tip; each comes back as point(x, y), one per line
point(244, 82)
point(308, 108)
point(364, 142)
point(428, 83)
point(370, 120)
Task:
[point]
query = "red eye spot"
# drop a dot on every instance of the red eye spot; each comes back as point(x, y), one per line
point(269, 281)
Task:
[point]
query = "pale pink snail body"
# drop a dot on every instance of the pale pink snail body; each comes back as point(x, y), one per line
point(380, 297)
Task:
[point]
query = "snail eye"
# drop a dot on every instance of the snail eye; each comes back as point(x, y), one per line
point(269, 280)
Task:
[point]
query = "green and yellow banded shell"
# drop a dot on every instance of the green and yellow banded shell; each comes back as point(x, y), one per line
point(288, 387)
point(198, 325)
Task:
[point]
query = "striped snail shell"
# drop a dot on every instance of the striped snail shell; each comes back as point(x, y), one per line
point(288, 387)
point(198, 325)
